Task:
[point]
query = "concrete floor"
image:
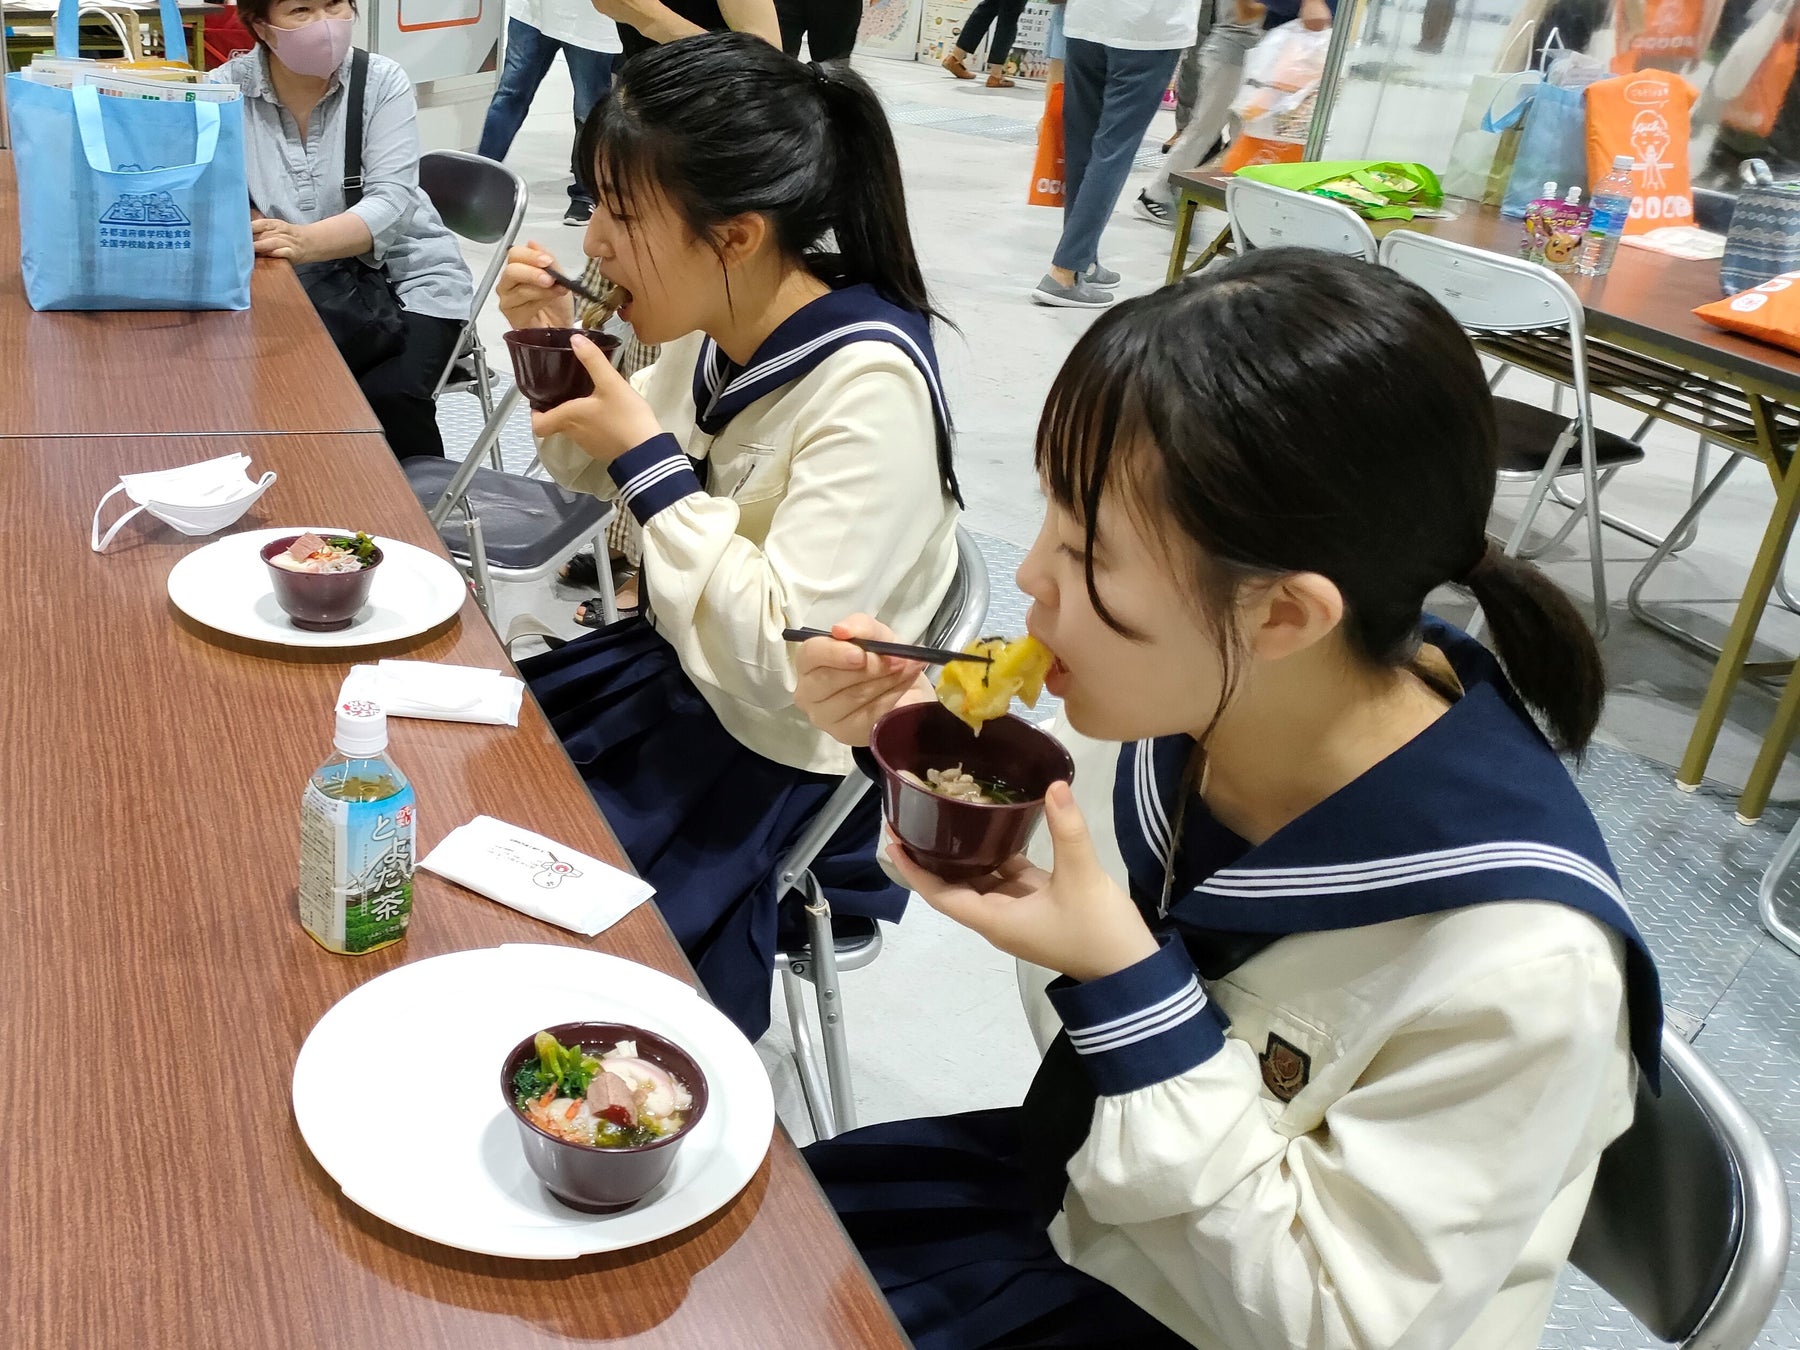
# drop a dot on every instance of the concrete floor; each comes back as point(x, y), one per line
point(934, 1025)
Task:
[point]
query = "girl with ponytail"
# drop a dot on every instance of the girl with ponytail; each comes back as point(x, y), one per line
point(787, 459)
point(1338, 998)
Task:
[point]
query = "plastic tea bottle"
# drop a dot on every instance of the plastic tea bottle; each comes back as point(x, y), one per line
point(356, 839)
point(1565, 226)
point(1612, 207)
point(1531, 242)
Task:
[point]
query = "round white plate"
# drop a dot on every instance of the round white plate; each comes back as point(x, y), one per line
point(397, 1094)
point(226, 586)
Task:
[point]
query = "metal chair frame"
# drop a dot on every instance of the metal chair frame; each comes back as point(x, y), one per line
point(1263, 216)
point(482, 574)
point(1777, 926)
point(469, 346)
point(829, 1099)
point(1759, 1226)
point(1489, 294)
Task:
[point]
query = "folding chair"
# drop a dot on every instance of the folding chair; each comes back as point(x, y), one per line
point(1264, 216)
point(1491, 294)
point(483, 201)
point(852, 941)
point(1688, 1224)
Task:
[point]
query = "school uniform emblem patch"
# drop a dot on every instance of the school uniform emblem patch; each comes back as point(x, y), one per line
point(1285, 1068)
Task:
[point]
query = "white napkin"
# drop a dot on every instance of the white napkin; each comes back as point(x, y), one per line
point(195, 499)
point(1688, 242)
point(537, 876)
point(440, 693)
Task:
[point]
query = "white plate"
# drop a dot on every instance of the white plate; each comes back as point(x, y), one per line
point(397, 1094)
point(226, 586)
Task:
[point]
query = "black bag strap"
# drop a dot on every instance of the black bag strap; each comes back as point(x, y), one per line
point(353, 129)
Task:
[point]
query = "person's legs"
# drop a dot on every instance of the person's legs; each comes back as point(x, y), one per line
point(1133, 86)
point(591, 74)
point(1221, 73)
point(400, 390)
point(1187, 78)
point(792, 15)
point(832, 33)
point(528, 56)
point(980, 18)
point(1006, 33)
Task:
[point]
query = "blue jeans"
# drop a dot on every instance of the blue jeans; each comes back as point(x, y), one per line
point(529, 55)
point(1109, 96)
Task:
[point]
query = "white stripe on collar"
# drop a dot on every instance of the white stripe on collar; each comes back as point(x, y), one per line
point(780, 362)
point(1151, 816)
point(1272, 883)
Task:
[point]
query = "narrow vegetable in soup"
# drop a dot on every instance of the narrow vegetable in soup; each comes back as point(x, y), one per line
point(978, 691)
point(612, 1099)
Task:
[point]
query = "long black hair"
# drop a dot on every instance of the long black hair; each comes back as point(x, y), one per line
point(724, 124)
point(1295, 411)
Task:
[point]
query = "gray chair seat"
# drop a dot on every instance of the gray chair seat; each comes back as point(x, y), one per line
point(1528, 434)
point(526, 523)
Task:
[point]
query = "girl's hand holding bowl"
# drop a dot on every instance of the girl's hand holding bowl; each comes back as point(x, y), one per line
point(613, 419)
point(528, 298)
point(1073, 919)
point(844, 691)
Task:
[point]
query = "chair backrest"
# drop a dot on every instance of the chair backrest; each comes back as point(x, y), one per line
point(481, 200)
point(1263, 216)
point(1688, 1223)
point(1484, 291)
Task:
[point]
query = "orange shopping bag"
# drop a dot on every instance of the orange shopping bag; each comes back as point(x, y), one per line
point(1644, 116)
point(1248, 150)
point(1047, 172)
point(1755, 109)
point(1769, 312)
point(1658, 34)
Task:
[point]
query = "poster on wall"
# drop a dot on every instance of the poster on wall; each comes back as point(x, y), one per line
point(438, 39)
point(890, 28)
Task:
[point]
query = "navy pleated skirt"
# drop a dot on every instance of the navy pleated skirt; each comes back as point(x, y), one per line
point(942, 1213)
point(703, 819)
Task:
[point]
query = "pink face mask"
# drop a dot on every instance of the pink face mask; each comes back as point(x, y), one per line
point(317, 48)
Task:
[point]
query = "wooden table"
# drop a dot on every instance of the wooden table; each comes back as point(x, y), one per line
point(136, 15)
point(270, 368)
point(154, 1190)
point(1648, 352)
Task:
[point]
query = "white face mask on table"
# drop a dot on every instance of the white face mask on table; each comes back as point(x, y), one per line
point(195, 499)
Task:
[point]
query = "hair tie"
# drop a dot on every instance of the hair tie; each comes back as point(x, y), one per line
point(822, 79)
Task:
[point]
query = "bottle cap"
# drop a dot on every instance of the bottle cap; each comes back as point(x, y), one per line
point(1622, 162)
point(361, 728)
point(1550, 189)
point(1574, 197)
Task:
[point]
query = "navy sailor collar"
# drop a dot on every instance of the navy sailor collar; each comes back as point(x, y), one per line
point(856, 313)
point(1476, 808)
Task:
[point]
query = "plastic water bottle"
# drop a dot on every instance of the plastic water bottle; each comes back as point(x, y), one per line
point(1611, 201)
point(356, 840)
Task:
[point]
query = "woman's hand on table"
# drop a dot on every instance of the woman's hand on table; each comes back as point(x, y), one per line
point(528, 298)
point(608, 422)
point(845, 690)
point(1073, 919)
point(274, 238)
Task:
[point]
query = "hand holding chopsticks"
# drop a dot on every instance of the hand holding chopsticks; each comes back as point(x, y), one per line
point(931, 656)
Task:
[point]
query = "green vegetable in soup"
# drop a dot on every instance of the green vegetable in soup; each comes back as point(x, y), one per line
point(566, 1070)
point(360, 544)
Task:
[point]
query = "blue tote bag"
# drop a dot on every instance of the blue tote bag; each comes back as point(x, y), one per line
point(1553, 148)
point(129, 204)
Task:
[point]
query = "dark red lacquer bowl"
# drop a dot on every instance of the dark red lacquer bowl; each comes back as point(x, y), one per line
point(321, 602)
point(959, 840)
point(600, 1180)
point(546, 367)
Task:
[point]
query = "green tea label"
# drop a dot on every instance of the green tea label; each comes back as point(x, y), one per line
point(356, 869)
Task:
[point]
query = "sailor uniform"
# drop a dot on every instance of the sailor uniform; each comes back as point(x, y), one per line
point(1356, 1098)
point(812, 483)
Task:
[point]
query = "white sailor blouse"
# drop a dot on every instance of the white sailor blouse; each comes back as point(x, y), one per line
point(1359, 1095)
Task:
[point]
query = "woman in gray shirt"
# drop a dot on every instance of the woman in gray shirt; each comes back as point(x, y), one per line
point(295, 93)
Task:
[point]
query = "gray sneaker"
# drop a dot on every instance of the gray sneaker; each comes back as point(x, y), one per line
point(1050, 291)
point(1100, 276)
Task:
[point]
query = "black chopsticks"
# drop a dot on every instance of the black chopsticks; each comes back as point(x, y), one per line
point(931, 656)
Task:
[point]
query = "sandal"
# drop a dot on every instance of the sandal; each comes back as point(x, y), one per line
point(589, 613)
point(584, 570)
point(1000, 82)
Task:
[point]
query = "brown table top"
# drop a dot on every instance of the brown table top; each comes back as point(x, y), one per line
point(270, 368)
point(1647, 299)
point(149, 816)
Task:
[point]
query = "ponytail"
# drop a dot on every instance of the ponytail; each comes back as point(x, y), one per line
point(874, 240)
point(725, 125)
point(1545, 645)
